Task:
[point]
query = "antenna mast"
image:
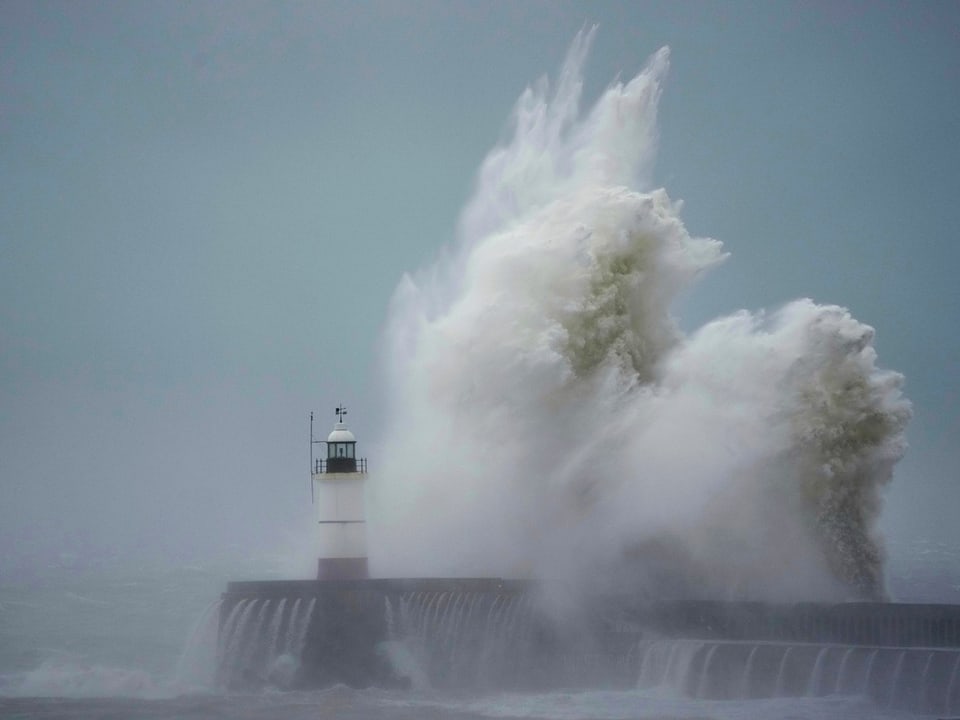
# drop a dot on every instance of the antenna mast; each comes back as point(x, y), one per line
point(311, 458)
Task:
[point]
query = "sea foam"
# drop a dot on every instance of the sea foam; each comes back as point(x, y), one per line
point(547, 417)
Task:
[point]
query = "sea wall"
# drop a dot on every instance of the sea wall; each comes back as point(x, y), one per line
point(854, 623)
point(342, 639)
point(489, 632)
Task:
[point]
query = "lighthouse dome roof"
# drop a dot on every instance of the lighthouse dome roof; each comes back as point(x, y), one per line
point(340, 434)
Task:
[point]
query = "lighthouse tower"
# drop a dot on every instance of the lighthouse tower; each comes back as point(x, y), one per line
point(338, 487)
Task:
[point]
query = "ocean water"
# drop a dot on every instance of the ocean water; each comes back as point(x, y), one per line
point(120, 643)
point(345, 703)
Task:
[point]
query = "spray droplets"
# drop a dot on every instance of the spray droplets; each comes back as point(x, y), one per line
point(563, 427)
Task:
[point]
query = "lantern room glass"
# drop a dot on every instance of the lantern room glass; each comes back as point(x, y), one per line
point(341, 450)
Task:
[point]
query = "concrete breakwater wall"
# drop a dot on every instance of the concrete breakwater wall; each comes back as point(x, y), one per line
point(854, 623)
point(342, 640)
point(502, 633)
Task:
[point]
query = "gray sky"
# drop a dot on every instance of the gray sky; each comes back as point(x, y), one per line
point(205, 207)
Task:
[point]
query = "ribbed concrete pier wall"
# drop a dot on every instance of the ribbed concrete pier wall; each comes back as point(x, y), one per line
point(497, 633)
point(347, 623)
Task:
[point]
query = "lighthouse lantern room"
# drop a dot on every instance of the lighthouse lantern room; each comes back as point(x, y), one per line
point(337, 481)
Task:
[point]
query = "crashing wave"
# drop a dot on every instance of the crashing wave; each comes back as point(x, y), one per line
point(548, 418)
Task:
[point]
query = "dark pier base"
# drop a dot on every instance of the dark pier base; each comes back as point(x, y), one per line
point(490, 632)
point(854, 623)
point(342, 569)
point(349, 622)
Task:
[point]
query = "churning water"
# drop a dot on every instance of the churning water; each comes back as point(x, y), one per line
point(547, 409)
point(109, 658)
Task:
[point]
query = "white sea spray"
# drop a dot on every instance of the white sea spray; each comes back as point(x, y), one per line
point(547, 418)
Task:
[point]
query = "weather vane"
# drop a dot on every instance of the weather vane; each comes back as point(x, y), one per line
point(341, 412)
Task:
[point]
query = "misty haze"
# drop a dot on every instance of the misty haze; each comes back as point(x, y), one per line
point(645, 389)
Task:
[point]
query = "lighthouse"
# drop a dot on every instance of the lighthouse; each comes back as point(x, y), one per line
point(338, 492)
